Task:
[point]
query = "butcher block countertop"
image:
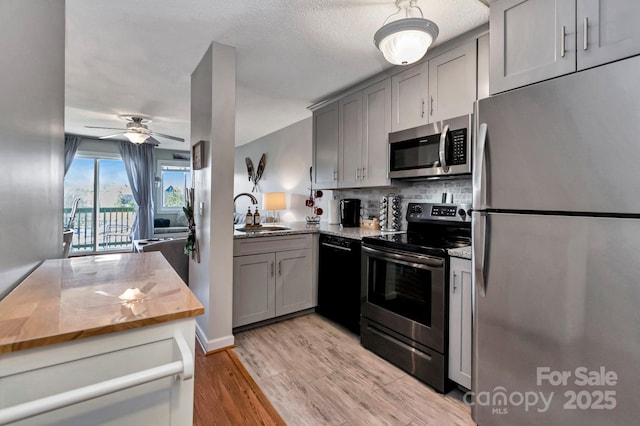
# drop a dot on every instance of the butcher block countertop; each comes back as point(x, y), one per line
point(70, 299)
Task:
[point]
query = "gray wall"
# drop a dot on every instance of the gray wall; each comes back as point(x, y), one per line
point(32, 36)
point(288, 160)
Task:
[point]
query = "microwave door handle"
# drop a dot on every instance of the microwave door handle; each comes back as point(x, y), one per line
point(443, 149)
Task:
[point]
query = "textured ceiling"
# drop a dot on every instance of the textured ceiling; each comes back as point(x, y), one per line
point(136, 56)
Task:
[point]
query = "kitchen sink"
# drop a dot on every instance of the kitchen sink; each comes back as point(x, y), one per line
point(266, 228)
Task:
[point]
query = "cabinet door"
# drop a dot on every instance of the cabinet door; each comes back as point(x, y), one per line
point(460, 288)
point(254, 285)
point(376, 125)
point(294, 284)
point(325, 146)
point(612, 31)
point(409, 93)
point(531, 41)
point(452, 83)
point(350, 147)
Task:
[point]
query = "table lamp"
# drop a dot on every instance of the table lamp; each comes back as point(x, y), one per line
point(274, 201)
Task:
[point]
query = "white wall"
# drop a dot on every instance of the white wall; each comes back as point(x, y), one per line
point(32, 36)
point(288, 160)
point(213, 106)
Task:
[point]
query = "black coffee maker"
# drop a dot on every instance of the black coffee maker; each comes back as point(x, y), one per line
point(350, 212)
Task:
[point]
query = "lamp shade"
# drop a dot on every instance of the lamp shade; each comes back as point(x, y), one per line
point(405, 41)
point(274, 201)
point(136, 137)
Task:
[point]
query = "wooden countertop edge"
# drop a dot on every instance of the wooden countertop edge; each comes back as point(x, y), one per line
point(97, 331)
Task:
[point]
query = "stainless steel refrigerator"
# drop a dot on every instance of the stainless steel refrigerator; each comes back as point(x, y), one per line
point(556, 252)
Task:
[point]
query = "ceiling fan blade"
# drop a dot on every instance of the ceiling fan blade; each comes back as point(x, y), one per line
point(174, 138)
point(110, 136)
point(106, 128)
point(152, 141)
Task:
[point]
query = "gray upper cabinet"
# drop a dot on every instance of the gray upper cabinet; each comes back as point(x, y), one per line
point(531, 40)
point(325, 146)
point(376, 125)
point(350, 145)
point(607, 30)
point(452, 83)
point(409, 94)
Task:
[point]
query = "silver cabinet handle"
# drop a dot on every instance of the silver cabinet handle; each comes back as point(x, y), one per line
point(335, 175)
point(431, 105)
point(422, 110)
point(357, 173)
point(585, 35)
point(563, 35)
point(272, 269)
point(362, 175)
point(442, 151)
point(454, 282)
point(280, 267)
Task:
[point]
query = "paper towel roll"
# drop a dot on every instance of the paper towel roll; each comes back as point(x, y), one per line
point(334, 212)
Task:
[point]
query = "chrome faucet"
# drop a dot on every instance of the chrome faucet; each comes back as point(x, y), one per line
point(254, 200)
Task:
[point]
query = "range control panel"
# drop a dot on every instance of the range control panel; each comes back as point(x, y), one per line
point(419, 212)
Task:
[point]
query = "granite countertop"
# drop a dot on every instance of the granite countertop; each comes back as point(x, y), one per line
point(70, 299)
point(304, 228)
point(462, 252)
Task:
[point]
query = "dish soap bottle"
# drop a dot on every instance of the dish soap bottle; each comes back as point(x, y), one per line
point(256, 218)
point(249, 219)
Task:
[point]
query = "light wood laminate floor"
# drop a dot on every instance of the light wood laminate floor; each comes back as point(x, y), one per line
point(317, 373)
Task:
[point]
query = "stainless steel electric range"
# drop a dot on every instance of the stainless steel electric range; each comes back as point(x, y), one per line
point(404, 311)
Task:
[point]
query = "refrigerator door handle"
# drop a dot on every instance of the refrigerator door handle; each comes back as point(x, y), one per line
point(480, 251)
point(443, 149)
point(479, 170)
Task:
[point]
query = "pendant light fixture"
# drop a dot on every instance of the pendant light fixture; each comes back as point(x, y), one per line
point(406, 40)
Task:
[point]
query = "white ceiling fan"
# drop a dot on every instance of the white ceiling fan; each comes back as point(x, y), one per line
point(136, 130)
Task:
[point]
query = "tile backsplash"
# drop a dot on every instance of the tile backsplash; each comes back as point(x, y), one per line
point(419, 192)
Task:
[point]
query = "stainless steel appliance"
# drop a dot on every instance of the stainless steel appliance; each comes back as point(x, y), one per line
point(555, 250)
point(439, 149)
point(350, 212)
point(339, 281)
point(405, 287)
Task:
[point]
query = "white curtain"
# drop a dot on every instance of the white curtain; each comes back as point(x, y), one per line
point(139, 161)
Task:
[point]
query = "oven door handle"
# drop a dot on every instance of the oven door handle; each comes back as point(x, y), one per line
point(403, 258)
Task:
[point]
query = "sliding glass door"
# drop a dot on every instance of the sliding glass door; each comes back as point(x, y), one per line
point(106, 207)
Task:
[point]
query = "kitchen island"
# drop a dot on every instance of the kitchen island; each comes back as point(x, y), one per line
point(98, 340)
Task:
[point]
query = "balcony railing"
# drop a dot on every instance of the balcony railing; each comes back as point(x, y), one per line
point(113, 229)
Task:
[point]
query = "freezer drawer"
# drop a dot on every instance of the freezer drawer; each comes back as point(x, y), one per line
point(562, 295)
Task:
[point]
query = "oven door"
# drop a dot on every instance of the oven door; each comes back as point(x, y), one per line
point(405, 292)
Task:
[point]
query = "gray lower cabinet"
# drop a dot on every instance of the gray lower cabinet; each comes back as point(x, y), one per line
point(460, 323)
point(273, 276)
point(534, 40)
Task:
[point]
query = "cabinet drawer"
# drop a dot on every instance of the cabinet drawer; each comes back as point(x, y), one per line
point(257, 245)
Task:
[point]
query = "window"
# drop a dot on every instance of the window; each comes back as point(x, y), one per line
point(106, 209)
point(173, 182)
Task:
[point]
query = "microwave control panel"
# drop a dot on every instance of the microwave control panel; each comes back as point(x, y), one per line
point(458, 153)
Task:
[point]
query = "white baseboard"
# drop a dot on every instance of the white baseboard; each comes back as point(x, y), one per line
point(215, 344)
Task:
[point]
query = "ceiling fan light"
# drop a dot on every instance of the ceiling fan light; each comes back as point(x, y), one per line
point(136, 137)
point(406, 41)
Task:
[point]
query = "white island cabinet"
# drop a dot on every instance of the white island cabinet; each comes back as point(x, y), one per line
point(102, 340)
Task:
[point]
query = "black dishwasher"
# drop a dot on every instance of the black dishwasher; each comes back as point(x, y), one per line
point(339, 281)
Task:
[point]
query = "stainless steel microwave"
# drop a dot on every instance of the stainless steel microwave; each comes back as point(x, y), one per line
point(438, 149)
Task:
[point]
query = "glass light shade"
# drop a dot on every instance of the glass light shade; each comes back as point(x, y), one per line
point(136, 138)
point(274, 201)
point(406, 41)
